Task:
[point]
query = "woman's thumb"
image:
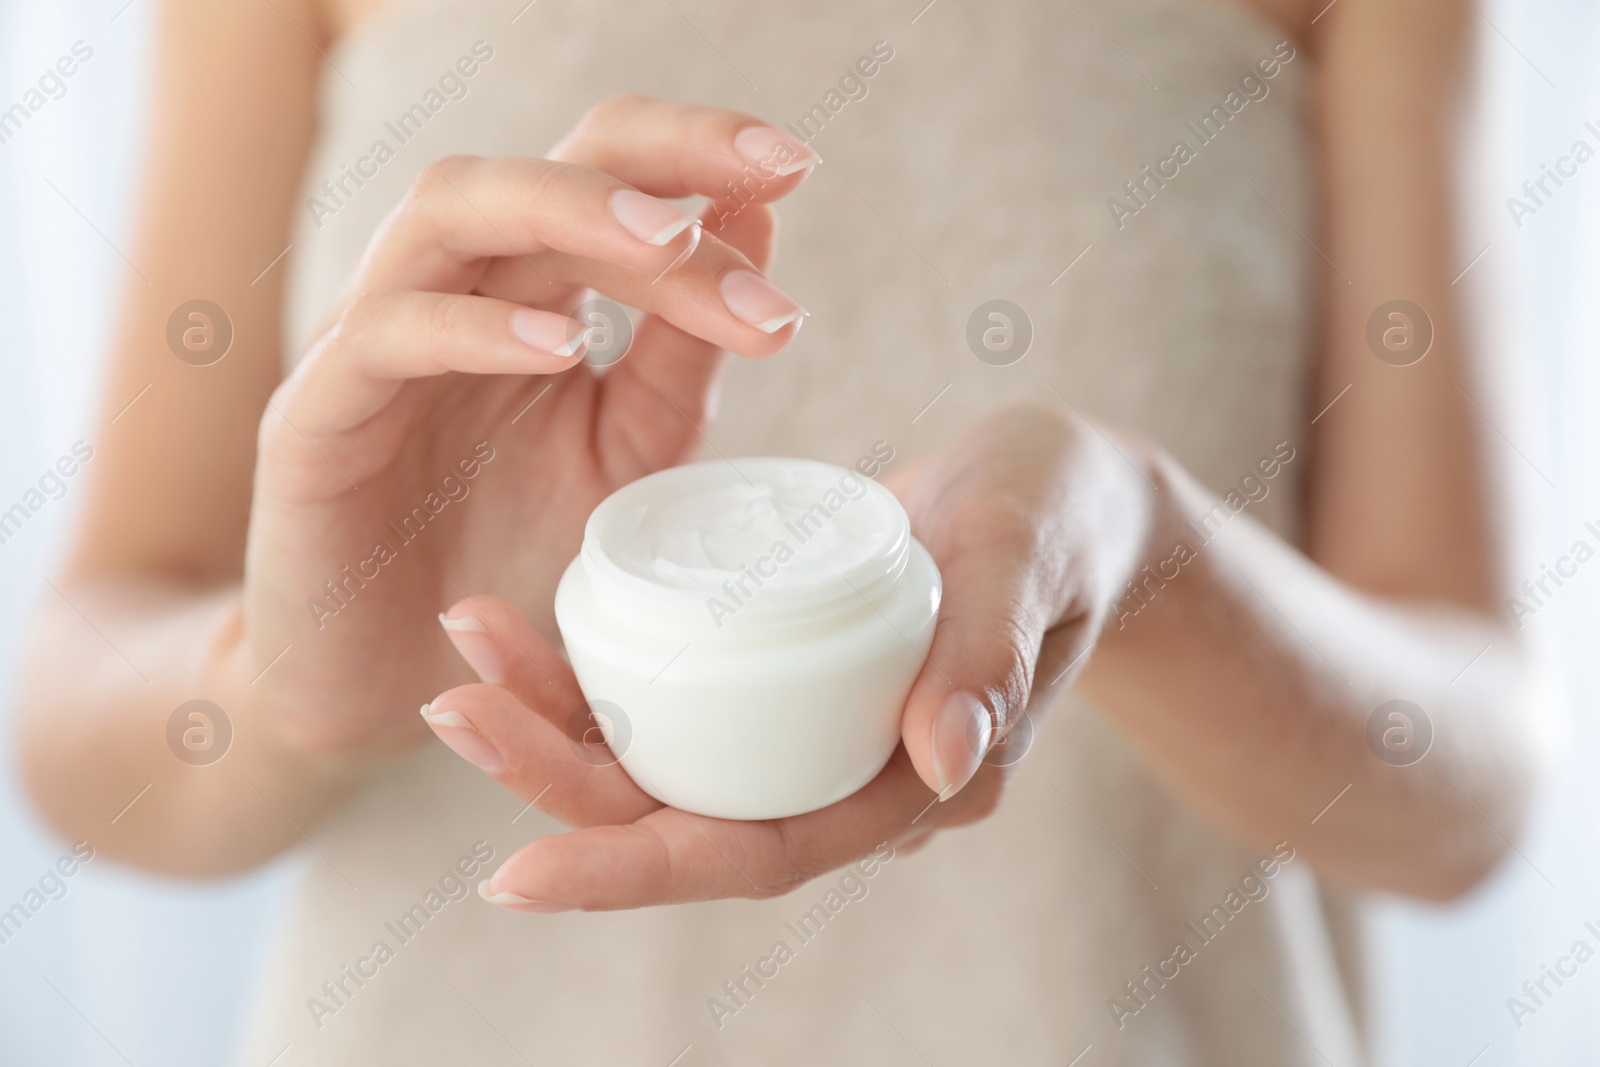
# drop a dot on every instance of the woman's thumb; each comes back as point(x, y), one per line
point(979, 670)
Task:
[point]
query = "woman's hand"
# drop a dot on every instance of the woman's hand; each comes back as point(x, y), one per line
point(443, 433)
point(1034, 520)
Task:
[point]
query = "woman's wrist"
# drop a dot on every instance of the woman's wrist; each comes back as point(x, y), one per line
point(272, 721)
point(1128, 506)
point(1164, 546)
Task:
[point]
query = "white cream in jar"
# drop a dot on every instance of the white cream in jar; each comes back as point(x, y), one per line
point(751, 628)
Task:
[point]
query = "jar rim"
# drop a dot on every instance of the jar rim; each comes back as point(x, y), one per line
point(753, 599)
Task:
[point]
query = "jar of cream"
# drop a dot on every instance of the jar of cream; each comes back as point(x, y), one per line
point(753, 628)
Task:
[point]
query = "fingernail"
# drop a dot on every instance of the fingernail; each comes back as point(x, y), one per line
point(961, 734)
point(516, 903)
point(757, 301)
point(776, 152)
point(476, 647)
point(464, 739)
point(650, 220)
point(548, 332)
point(681, 258)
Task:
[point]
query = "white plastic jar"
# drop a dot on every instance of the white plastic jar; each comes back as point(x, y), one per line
point(747, 632)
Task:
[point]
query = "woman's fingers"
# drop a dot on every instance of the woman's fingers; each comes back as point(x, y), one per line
point(564, 225)
point(520, 749)
point(539, 230)
point(529, 726)
point(672, 857)
point(531, 730)
point(716, 293)
point(441, 241)
point(675, 150)
point(1003, 517)
point(386, 337)
point(463, 210)
point(658, 401)
point(980, 668)
point(668, 857)
point(468, 221)
point(503, 648)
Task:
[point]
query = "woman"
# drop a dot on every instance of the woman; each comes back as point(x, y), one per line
point(1233, 526)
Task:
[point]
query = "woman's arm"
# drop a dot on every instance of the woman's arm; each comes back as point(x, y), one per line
point(1405, 513)
point(1250, 680)
point(258, 560)
point(154, 573)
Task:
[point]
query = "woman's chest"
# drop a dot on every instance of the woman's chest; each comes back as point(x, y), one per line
point(1033, 208)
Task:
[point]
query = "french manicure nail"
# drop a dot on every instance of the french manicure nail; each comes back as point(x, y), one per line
point(548, 332)
point(519, 903)
point(961, 734)
point(476, 647)
point(682, 257)
point(755, 300)
point(776, 152)
point(650, 220)
point(464, 739)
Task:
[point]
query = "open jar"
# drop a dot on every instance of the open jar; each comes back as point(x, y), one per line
point(751, 629)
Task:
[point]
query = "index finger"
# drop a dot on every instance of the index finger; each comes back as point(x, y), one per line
point(672, 149)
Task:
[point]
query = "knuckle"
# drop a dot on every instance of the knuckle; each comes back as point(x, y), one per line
point(611, 109)
point(595, 128)
point(273, 426)
point(520, 767)
point(791, 870)
point(783, 884)
point(771, 890)
point(436, 184)
point(357, 319)
point(1014, 652)
point(441, 174)
point(1000, 522)
point(1003, 659)
point(1012, 526)
point(542, 177)
point(450, 314)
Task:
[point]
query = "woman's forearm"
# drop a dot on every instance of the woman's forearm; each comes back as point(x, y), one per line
point(1249, 677)
point(109, 668)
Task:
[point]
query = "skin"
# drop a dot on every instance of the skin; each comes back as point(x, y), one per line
point(1247, 683)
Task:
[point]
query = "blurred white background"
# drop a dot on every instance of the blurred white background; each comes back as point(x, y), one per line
point(132, 970)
